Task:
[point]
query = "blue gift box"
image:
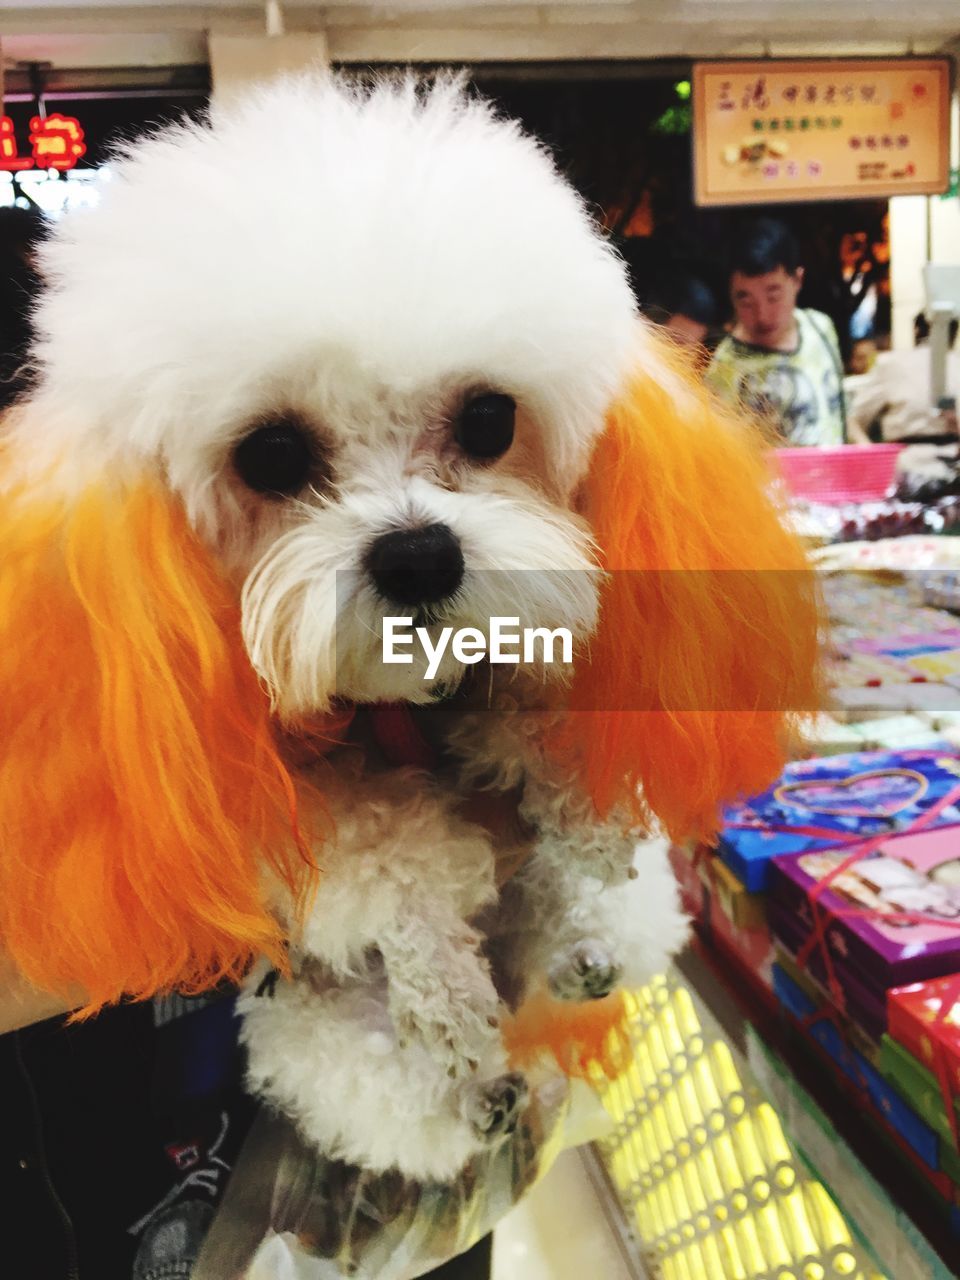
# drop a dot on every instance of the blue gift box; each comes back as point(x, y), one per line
point(862, 794)
point(798, 1003)
point(901, 1117)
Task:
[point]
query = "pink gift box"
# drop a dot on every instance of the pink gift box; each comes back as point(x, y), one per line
point(867, 906)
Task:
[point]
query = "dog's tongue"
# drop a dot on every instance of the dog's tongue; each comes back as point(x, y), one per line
point(399, 737)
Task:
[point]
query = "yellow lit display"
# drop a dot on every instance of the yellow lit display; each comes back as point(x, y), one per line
point(701, 1163)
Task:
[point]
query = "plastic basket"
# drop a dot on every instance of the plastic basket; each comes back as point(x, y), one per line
point(846, 473)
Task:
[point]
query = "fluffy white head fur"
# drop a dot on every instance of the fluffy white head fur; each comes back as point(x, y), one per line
point(408, 248)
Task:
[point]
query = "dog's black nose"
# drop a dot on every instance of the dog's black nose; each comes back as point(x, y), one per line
point(416, 566)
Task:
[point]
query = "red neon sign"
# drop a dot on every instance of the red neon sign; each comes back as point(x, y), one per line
point(56, 142)
point(9, 159)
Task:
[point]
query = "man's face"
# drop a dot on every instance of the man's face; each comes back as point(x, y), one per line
point(764, 305)
point(685, 330)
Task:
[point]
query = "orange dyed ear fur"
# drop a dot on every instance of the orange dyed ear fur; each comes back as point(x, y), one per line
point(709, 630)
point(140, 790)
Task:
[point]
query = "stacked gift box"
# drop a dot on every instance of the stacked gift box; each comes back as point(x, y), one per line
point(839, 889)
point(894, 666)
point(892, 690)
point(835, 894)
point(858, 927)
point(831, 802)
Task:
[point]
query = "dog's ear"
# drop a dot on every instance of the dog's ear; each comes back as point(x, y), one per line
point(142, 800)
point(708, 641)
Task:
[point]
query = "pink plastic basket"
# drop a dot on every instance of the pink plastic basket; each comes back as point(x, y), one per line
point(847, 473)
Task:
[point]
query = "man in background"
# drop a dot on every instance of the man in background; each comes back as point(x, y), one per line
point(780, 362)
point(685, 307)
point(892, 401)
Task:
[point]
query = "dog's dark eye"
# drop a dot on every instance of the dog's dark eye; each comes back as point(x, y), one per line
point(275, 459)
point(484, 428)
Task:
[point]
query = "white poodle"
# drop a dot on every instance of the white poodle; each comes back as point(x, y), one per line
point(373, 378)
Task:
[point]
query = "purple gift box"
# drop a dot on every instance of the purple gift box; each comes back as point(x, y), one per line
point(869, 906)
point(862, 1003)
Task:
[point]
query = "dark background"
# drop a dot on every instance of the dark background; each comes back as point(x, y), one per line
point(621, 133)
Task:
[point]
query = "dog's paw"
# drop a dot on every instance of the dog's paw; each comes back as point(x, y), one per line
point(494, 1107)
point(587, 972)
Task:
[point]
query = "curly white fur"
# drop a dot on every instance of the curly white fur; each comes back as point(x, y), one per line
point(391, 972)
point(386, 1046)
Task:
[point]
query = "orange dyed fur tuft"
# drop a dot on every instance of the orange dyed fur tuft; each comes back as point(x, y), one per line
point(584, 1040)
point(722, 654)
point(141, 794)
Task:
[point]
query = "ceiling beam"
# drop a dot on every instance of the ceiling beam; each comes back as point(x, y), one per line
point(498, 32)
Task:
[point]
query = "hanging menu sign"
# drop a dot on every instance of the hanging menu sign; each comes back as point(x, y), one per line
point(770, 132)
